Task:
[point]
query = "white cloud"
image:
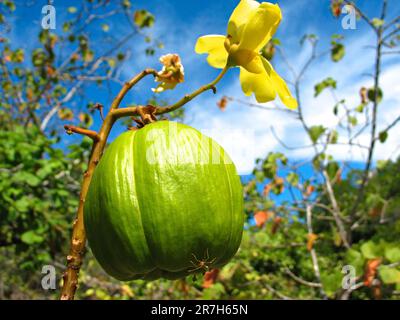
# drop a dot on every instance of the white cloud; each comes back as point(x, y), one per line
point(245, 132)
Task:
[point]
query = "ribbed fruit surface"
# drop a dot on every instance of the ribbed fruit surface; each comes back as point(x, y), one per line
point(164, 201)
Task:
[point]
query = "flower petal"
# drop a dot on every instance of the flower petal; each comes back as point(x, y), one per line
point(249, 60)
point(261, 26)
point(280, 86)
point(214, 46)
point(164, 86)
point(240, 17)
point(259, 84)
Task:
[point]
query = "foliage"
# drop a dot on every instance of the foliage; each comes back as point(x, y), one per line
point(39, 187)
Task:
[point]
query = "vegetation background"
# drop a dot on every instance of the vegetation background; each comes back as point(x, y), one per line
point(310, 212)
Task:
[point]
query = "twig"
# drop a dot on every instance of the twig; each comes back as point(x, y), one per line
point(336, 210)
point(89, 133)
point(391, 23)
point(66, 98)
point(313, 252)
point(346, 294)
point(302, 281)
point(128, 85)
point(99, 106)
point(189, 97)
point(367, 169)
point(258, 106)
point(390, 52)
point(390, 34)
point(390, 126)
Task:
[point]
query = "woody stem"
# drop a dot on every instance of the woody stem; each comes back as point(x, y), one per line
point(194, 94)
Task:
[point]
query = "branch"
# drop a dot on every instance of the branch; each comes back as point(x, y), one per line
point(390, 126)
point(94, 66)
point(276, 292)
point(390, 34)
point(346, 294)
point(302, 281)
point(336, 210)
point(89, 133)
point(189, 97)
point(259, 106)
point(390, 52)
point(313, 252)
point(128, 85)
point(374, 117)
point(67, 97)
point(391, 23)
point(78, 241)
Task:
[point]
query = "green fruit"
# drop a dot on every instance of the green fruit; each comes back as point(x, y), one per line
point(164, 201)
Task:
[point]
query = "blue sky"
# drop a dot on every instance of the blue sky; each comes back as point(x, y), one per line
point(246, 132)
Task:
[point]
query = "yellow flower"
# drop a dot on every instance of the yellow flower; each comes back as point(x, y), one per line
point(251, 26)
point(171, 74)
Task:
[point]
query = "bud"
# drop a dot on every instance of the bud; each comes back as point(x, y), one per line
point(171, 74)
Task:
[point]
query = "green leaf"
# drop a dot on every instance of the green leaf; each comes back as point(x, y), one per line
point(361, 107)
point(337, 37)
point(352, 120)
point(111, 62)
point(355, 259)
point(31, 237)
point(315, 132)
point(105, 27)
point(126, 3)
point(337, 51)
point(293, 178)
point(86, 119)
point(22, 205)
point(10, 5)
point(393, 254)
point(371, 95)
point(327, 83)
point(150, 51)
point(38, 57)
point(143, 19)
point(332, 168)
point(378, 22)
point(389, 275)
point(26, 177)
point(66, 26)
point(333, 137)
point(18, 56)
point(332, 282)
point(383, 135)
point(65, 114)
point(370, 250)
point(259, 176)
